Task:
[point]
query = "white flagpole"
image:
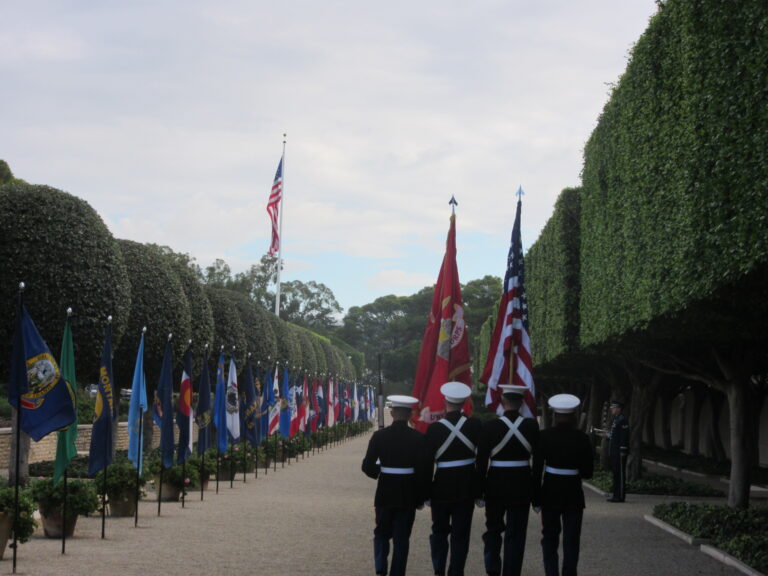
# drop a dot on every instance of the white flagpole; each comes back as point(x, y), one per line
point(280, 239)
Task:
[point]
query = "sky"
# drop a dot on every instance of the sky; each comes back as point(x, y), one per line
point(168, 117)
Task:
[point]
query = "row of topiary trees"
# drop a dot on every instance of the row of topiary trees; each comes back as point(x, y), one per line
point(62, 250)
point(653, 275)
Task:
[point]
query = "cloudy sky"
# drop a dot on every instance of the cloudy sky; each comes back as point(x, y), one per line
point(168, 118)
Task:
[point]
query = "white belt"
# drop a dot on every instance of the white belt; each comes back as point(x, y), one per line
point(454, 463)
point(561, 471)
point(509, 463)
point(388, 470)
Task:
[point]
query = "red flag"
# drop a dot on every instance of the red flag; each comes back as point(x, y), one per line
point(444, 355)
point(315, 406)
point(510, 344)
point(303, 407)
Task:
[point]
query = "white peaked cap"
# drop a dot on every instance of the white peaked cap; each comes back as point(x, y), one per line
point(513, 389)
point(402, 401)
point(455, 392)
point(564, 403)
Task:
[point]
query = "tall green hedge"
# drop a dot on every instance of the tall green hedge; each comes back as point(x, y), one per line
point(158, 302)
point(228, 327)
point(552, 283)
point(259, 336)
point(60, 248)
point(675, 179)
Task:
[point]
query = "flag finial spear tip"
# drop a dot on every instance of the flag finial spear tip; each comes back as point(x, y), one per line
point(144, 330)
point(189, 341)
point(69, 312)
point(206, 345)
point(109, 319)
point(170, 335)
point(520, 192)
point(21, 286)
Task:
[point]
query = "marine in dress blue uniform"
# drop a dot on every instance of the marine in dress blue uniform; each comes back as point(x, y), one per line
point(618, 449)
point(561, 460)
point(503, 463)
point(452, 443)
point(397, 456)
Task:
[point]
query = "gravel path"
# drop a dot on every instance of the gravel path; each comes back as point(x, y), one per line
point(315, 516)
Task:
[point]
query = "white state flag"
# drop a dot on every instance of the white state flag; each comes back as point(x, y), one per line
point(233, 402)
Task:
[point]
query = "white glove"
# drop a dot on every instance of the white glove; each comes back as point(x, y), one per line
point(428, 503)
point(480, 503)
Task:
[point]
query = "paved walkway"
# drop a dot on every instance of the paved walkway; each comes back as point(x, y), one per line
point(315, 517)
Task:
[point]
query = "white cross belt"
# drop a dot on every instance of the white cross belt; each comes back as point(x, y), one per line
point(509, 463)
point(454, 463)
point(561, 471)
point(389, 470)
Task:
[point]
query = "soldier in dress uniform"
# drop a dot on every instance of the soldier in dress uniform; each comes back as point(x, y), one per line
point(503, 463)
point(397, 455)
point(452, 443)
point(618, 448)
point(562, 459)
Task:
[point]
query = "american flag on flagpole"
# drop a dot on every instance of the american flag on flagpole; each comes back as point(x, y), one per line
point(510, 349)
point(273, 209)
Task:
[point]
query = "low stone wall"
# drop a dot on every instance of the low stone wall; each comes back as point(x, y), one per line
point(45, 450)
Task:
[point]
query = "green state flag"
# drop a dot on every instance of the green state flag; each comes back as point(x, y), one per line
point(66, 447)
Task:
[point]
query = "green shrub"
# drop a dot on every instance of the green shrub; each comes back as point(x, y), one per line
point(81, 496)
point(26, 524)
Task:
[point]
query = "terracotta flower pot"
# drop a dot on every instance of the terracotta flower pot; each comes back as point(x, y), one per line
point(6, 523)
point(122, 507)
point(53, 525)
point(169, 492)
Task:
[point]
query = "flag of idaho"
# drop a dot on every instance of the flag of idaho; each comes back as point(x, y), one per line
point(46, 399)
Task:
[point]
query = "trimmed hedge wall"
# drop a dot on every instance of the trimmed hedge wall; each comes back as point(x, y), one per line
point(675, 179)
point(228, 327)
point(158, 302)
point(552, 283)
point(61, 249)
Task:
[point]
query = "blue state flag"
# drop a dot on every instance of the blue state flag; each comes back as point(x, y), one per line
point(136, 409)
point(220, 407)
point(45, 398)
point(163, 412)
point(203, 414)
point(100, 454)
point(285, 405)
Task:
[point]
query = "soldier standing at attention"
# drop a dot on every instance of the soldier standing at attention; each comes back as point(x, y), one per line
point(503, 463)
point(618, 448)
point(397, 455)
point(452, 443)
point(561, 460)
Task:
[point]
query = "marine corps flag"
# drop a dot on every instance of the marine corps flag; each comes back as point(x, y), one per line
point(444, 355)
point(46, 399)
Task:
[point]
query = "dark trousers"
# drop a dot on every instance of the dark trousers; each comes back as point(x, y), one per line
point(514, 528)
point(619, 470)
point(392, 523)
point(452, 519)
point(552, 521)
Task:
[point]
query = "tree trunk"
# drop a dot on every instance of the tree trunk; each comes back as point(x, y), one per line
point(695, 426)
point(650, 424)
point(714, 439)
point(23, 454)
point(644, 386)
point(738, 409)
point(666, 418)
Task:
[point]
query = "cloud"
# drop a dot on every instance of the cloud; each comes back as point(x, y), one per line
point(399, 282)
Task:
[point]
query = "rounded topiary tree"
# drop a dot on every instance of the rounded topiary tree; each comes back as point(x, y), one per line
point(322, 364)
point(61, 249)
point(201, 314)
point(331, 360)
point(259, 336)
point(309, 358)
point(228, 328)
point(159, 303)
point(297, 354)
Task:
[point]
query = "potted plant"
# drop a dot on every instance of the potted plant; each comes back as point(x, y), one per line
point(120, 486)
point(26, 524)
point(81, 499)
point(209, 466)
point(175, 479)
